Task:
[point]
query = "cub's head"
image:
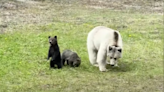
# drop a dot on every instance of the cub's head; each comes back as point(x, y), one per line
point(114, 53)
point(52, 40)
point(75, 60)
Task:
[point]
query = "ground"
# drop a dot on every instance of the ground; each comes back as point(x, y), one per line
point(25, 26)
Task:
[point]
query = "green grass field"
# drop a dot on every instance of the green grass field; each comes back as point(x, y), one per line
point(24, 45)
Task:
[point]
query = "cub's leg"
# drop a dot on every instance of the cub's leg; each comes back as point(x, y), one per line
point(70, 63)
point(59, 65)
point(63, 61)
point(49, 55)
point(52, 64)
point(101, 59)
point(67, 62)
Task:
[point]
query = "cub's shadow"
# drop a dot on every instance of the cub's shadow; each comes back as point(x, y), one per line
point(122, 67)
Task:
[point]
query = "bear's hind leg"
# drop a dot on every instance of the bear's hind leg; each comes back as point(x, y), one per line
point(63, 61)
point(59, 65)
point(92, 57)
point(52, 64)
point(101, 59)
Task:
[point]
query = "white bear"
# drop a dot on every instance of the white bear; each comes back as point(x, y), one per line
point(103, 42)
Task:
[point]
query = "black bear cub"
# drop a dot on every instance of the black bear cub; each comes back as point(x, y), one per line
point(54, 53)
point(71, 58)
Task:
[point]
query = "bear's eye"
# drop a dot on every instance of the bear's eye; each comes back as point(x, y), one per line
point(110, 48)
point(115, 58)
point(110, 57)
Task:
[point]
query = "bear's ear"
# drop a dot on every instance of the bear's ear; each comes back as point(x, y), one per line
point(49, 36)
point(120, 50)
point(110, 48)
point(55, 37)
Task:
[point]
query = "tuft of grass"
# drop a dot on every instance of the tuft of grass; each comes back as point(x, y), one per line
point(24, 47)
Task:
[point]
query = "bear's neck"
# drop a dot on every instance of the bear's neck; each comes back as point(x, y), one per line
point(54, 46)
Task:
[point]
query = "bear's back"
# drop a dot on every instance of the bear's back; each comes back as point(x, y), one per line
point(101, 35)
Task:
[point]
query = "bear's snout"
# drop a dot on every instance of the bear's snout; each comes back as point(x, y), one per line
point(112, 65)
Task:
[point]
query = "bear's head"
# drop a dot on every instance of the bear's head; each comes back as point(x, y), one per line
point(77, 62)
point(114, 53)
point(52, 40)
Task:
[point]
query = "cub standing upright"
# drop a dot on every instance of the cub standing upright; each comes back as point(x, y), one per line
point(54, 53)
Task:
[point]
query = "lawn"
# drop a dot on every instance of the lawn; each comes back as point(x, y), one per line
point(25, 27)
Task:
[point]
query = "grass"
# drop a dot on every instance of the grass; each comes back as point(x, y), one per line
point(24, 46)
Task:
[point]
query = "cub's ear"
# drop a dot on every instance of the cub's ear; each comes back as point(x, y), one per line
point(49, 36)
point(110, 48)
point(120, 50)
point(55, 37)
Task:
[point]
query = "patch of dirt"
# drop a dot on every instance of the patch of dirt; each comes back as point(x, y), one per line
point(155, 6)
point(14, 12)
point(21, 12)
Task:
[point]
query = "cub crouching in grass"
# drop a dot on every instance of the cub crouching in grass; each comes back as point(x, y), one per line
point(54, 53)
point(71, 58)
point(103, 42)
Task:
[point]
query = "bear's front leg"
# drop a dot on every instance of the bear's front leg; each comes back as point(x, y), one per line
point(49, 55)
point(101, 59)
point(70, 63)
point(48, 58)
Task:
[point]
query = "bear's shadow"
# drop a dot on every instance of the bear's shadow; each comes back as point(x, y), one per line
point(122, 67)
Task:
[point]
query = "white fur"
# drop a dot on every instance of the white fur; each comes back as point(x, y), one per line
point(98, 41)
